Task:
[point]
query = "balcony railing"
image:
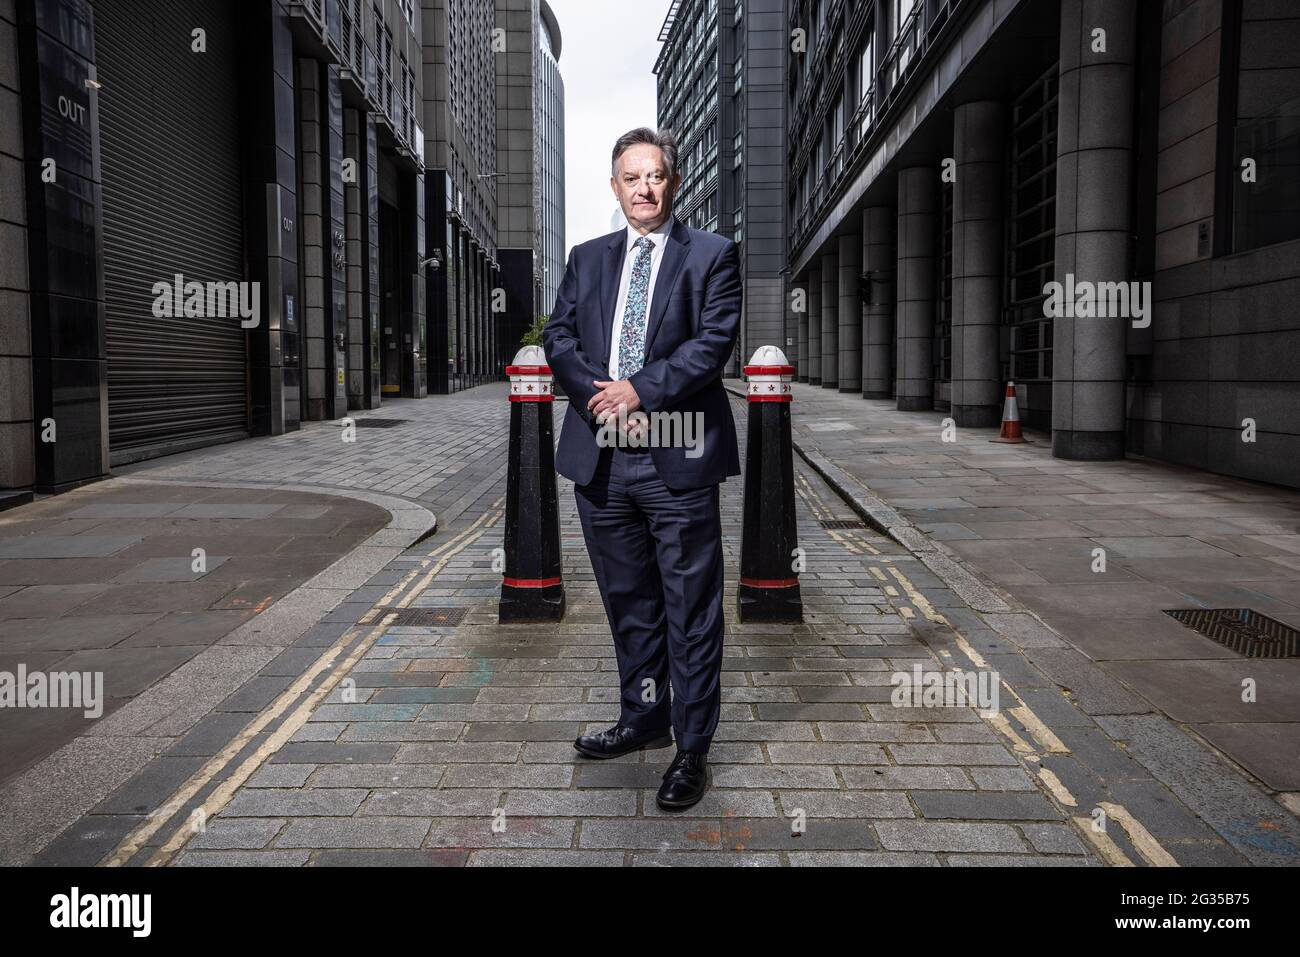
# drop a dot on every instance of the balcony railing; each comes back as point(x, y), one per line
point(902, 60)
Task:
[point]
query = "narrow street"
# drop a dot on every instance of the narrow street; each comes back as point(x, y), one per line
point(395, 722)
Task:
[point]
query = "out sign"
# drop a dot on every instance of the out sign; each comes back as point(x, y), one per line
point(69, 109)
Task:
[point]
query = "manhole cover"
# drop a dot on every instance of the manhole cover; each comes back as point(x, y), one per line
point(843, 523)
point(1242, 630)
point(427, 617)
point(379, 423)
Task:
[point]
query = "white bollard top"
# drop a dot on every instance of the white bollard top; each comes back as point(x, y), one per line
point(769, 373)
point(530, 356)
point(769, 356)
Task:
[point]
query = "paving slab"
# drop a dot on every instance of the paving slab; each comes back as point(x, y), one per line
point(1089, 555)
point(452, 746)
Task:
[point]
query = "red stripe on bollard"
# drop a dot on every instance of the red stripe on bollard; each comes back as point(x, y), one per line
point(529, 582)
point(771, 398)
point(528, 370)
point(769, 582)
point(532, 398)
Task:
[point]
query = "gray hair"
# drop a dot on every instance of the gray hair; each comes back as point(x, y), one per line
point(663, 139)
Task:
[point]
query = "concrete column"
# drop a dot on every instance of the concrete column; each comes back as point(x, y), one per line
point(850, 319)
point(369, 136)
point(272, 219)
point(334, 231)
point(1094, 142)
point(830, 321)
point(917, 221)
point(814, 353)
point(977, 263)
point(878, 327)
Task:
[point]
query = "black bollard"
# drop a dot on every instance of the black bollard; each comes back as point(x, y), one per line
point(769, 563)
point(532, 588)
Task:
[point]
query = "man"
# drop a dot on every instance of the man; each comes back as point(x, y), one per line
point(644, 322)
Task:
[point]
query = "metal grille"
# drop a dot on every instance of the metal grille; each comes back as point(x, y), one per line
point(380, 423)
point(177, 381)
point(427, 617)
point(843, 523)
point(942, 355)
point(1242, 630)
point(1031, 228)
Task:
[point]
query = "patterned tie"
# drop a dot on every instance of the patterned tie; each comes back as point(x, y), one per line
point(631, 342)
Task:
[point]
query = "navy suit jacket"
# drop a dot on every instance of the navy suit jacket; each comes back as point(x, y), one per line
point(690, 335)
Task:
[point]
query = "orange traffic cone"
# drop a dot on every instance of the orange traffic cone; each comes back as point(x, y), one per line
point(1010, 419)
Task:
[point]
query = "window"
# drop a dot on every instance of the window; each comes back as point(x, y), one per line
point(1261, 122)
point(866, 64)
point(902, 10)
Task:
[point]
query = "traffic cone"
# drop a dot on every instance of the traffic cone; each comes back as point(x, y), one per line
point(1010, 433)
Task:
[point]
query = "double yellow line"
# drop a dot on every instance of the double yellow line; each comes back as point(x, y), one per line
point(1146, 844)
point(331, 666)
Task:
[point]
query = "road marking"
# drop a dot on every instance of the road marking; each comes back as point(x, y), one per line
point(410, 576)
point(918, 599)
point(225, 791)
point(1146, 844)
point(1041, 732)
point(1108, 849)
point(1110, 852)
point(1019, 744)
point(1059, 790)
point(846, 538)
point(138, 838)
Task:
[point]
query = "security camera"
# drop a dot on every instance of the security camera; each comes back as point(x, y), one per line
point(435, 261)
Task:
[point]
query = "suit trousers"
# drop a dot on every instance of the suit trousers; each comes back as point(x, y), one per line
point(657, 557)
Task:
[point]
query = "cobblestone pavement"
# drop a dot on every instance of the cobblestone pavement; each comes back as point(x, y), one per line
point(445, 454)
point(450, 742)
point(441, 451)
point(1088, 556)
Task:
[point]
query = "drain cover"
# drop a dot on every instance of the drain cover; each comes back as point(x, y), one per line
point(843, 523)
point(379, 423)
point(1242, 630)
point(427, 617)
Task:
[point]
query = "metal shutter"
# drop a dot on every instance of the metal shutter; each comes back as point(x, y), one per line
point(169, 154)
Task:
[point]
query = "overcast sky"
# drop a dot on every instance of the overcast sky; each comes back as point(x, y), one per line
point(608, 48)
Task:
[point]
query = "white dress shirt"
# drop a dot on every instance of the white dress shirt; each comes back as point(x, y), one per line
point(658, 236)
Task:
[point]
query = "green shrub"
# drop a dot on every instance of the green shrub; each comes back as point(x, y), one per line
point(533, 337)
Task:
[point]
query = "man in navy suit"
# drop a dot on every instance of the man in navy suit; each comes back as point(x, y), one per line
point(644, 322)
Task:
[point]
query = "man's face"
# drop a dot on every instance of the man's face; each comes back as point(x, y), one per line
point(642, 186)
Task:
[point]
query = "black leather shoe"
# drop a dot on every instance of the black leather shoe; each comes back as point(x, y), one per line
point(621, 739)
point(685, 781)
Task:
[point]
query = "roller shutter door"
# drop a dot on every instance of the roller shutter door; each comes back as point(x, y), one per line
point(169, 155)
